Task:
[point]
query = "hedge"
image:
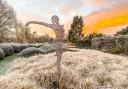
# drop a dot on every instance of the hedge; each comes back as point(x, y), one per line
point(30, 52)
point(8, 49)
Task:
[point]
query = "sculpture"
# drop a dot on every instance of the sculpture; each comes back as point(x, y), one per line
point(58, 42)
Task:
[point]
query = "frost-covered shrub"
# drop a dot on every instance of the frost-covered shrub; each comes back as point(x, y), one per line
point(116, 50)
point(108, 44)
point(47, 47)
point(23, 46)
point(98, 43)
point(8, 49)
point(16, 47)
point(34, 45)
point(2, 54)
point(30, 51)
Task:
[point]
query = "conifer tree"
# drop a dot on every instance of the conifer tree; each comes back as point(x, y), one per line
point(76, 29)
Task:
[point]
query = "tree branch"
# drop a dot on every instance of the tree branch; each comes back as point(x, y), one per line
point(36, 22)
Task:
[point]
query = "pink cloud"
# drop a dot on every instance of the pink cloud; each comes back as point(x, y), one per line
point(94, 2)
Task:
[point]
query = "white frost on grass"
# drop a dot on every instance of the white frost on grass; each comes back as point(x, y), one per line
point(84, 69)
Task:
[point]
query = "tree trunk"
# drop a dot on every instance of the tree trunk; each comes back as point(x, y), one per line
point(59, 57)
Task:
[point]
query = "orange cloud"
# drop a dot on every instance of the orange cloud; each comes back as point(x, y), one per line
point(99, 21)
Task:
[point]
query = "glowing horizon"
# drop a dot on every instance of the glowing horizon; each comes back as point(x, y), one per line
point(103, 16)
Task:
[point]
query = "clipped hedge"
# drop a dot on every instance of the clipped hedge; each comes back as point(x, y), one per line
point(34, 45)
point(30, 52)
point(109, 44)
point(16, 47)
point(8, 49)
point(47, 47)
point(23, 46)
point(83, 43)
point(98, 43)
point(2, 54)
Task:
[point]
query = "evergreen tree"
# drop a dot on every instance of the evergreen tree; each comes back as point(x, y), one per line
point(75, 32)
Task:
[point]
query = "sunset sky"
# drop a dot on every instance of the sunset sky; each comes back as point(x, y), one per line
point(104, 16)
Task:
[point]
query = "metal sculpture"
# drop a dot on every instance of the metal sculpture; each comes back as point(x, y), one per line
point(58, 42)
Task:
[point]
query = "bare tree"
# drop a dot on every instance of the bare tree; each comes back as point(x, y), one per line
point(22, 35)
point(7, 19)
point(44, 38)
point(19, 32)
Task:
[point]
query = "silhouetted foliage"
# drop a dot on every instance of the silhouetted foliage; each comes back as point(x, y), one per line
point(93, 35)
point(124, 31)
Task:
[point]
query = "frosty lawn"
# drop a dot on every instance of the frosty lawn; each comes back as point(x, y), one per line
point(83, 69)
point(4, 64)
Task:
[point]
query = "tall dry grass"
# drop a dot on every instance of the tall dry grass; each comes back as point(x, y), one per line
point(84, 69)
